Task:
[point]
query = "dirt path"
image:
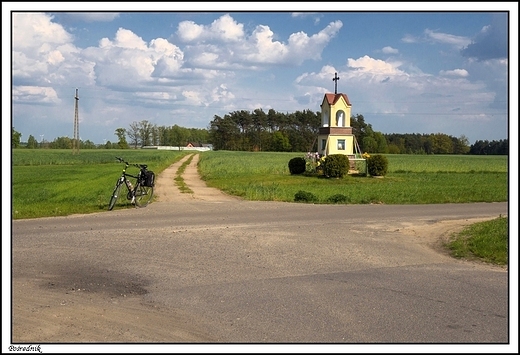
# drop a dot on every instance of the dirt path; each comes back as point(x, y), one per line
point(166, 190)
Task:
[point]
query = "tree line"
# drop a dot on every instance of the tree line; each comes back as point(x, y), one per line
point(298, 132)
point(138, 135)
point(274, 131)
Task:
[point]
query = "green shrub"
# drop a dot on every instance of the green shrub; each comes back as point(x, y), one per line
point(377, 165)
point(338, 198)
point(336, 165)
point(305, 196)
point(297, 165)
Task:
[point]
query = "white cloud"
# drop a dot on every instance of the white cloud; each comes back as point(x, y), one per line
point(223, 29)
point(315, 15)
point(227, 29)
point(55, 57)
point(438, 37)
point(409, 39)
point(264, 49)
point(128, 61)
point(33, 31)
point(389, 50)
point(189, 31)
point(221, 94)
point(44, 56)
point(38, 48)
point(455, 72)
point(33, 95)
point(374, 66)
point(458, 41)
point(194, 97)
point(127, 39)
point(259, 49)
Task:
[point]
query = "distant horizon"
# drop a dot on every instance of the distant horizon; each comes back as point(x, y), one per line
point(116, 140)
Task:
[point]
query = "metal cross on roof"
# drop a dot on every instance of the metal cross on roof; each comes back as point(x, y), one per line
point(336, 78)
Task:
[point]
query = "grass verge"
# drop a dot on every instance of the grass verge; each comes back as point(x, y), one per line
point(484, 241)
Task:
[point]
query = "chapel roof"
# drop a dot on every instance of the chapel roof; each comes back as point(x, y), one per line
point(333, 98)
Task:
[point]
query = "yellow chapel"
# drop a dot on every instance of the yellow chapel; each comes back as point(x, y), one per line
point(335, 134)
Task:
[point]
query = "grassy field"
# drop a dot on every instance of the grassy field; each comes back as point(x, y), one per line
point(411, 179)
point(57, 183)
point(48, 183)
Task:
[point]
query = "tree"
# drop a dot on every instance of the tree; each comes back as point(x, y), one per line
point(363, 130)
point(486, 147)
point(15, 138)
point(442, 143)
point(368, 144)
point(133, 134)
point(31, 142)
point(61, 143)
point(281, 142)
point(88, 144)
point(382, 146)
point(178, 136)
point(121, 136)
point(224, 133)
point(460, 145)
point(146, 132)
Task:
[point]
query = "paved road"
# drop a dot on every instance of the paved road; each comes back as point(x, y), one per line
point(250, 272)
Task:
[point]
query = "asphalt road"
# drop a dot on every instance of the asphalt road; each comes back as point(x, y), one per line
point(268, 272)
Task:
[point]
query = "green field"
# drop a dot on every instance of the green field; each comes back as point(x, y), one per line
point(48, 182)
point(411, 179)
point(58, 183)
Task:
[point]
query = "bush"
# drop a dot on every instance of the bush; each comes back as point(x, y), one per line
point(338, 198)
point(297, 165)
point(305, 196)
point(377, 165)
point(336, 165)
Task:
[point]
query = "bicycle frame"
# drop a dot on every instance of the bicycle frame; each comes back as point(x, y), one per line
point(129, 186)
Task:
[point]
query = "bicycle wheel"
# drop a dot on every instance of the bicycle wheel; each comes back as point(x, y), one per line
point(115, 195)
point(143, 195)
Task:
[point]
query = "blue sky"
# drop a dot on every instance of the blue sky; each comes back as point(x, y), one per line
point(434, 71)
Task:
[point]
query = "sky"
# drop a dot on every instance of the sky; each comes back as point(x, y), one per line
point(407, 68)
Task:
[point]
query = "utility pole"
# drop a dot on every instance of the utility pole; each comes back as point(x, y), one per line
point(75, 140)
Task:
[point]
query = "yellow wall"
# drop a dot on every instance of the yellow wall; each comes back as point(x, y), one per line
point(332, 144)
point(341, 105)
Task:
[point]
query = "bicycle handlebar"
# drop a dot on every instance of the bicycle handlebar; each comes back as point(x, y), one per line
point(140, 166)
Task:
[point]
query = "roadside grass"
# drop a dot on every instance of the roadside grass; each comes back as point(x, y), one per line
point(179, 179)
point(485, 241)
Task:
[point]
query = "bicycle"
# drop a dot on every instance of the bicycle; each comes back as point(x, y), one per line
point(141, 193)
